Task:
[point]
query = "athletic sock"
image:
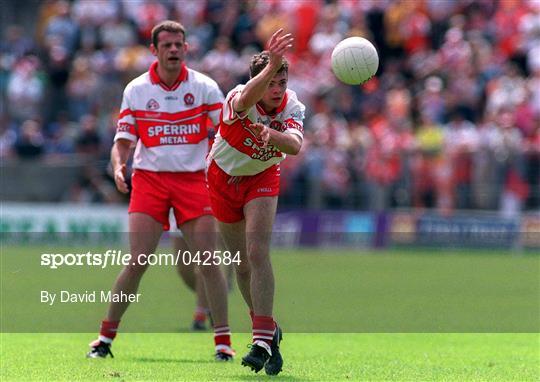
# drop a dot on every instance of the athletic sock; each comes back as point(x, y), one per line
point(222, 337)
point(108, 330)
point(263, 329)
point(200, 314)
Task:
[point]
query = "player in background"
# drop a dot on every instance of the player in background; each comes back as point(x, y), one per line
point(261, 122)
point(193, 280)
point(164, 112)
point(189, 273)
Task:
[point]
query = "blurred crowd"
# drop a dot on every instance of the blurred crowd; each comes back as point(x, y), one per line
point(451, 121)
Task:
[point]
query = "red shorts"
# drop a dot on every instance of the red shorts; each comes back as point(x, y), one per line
point(154, 193)
point(228, 199)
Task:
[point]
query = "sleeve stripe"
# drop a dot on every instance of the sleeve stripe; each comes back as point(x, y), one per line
point(127, 120)
point(125, 112)
point(171, 116)
point(214, 106)
point(125, 135)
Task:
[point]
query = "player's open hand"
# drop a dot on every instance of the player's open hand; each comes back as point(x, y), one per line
point(278, 44)
point(120, 179)
point(262, 133)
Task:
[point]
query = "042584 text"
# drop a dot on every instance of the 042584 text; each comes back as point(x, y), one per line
point(210, 257)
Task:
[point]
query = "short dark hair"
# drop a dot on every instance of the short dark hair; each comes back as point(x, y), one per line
point(259, 62)
point(168, 26)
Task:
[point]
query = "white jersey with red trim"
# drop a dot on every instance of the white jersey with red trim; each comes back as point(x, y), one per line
point(236, 149)
point(169, 124)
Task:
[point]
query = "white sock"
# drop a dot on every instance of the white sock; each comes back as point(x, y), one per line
point(264, 345)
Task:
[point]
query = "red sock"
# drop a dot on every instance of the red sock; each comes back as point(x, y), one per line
point(200, 314)
point(263, 329)
point(108, 329)
point(222, 336)
point(251, 314)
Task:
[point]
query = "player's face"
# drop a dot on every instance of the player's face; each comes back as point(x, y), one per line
point(276, 91)
point(170, 51)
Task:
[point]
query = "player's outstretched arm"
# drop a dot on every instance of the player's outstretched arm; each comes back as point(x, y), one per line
point(119, 157)
point(286, 143)
point(255, 88)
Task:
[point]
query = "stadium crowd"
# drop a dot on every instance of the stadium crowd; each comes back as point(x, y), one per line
point(451, 121)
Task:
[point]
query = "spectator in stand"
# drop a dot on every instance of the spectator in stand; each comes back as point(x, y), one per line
point(427, 159)
point(117, 33)
point(16, 44)
point(30, 144)
point(95, 13)
point(220, 62)
point(57, 64)
point(61, 136)
point(460, 143)
point(532, 163)
point(81, 88)
point(8, 137)
point(62, 28)
point(328, 34)
point(89, 140)
point(25, 89)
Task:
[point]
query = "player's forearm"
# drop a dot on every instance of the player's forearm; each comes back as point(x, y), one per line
point(254, 89)
point(120, 153)
point(286, 143)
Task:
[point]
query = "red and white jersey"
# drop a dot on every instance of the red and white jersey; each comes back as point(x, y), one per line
point(236, 149)
point(169, 124)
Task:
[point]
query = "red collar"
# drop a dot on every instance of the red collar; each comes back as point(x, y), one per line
point(279, 108)
point(154, 77)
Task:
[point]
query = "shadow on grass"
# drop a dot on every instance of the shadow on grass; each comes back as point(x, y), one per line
point(172, 360)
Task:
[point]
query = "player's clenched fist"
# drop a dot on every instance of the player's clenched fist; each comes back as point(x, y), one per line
point(261, 132)
point(120, 179)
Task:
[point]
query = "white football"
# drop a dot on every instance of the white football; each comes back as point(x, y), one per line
point(354, 60)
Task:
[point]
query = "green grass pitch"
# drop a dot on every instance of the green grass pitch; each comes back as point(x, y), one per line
point(347, 315)
point(308, 357)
